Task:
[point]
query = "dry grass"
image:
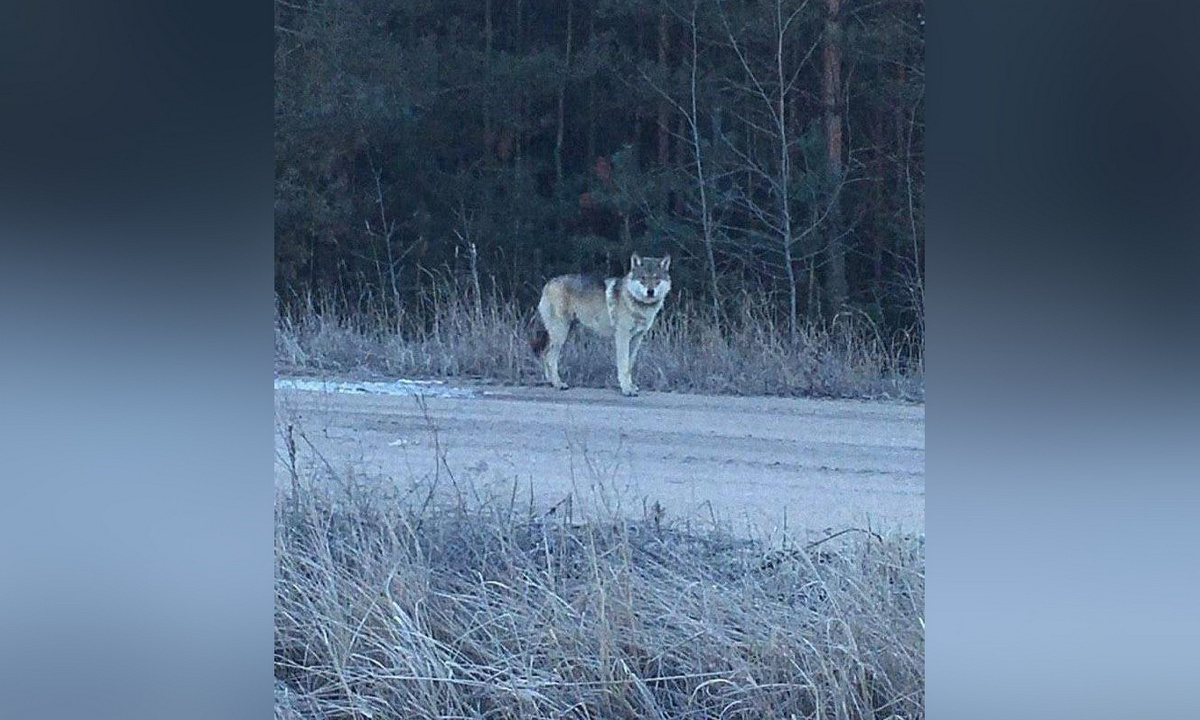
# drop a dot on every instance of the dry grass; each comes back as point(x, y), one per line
point(752, 353)
point(393, 603)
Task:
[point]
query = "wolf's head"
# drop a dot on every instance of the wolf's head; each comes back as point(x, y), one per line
point(649, 280)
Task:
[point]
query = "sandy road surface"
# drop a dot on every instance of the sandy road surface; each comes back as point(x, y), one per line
point(823, 463)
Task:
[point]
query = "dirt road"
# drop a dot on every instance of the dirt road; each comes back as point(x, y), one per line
point(821, 463)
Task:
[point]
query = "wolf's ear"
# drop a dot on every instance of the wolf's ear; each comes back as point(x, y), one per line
point(665, 263)
point(635, 261)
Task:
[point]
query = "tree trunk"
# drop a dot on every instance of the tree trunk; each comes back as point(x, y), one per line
point(562, 92)
point(831, 95)
point(701, 183)
point(519, 131)
point(879, 183)
point(591, 141)
point(785, 168)
point(664, 138)
point(488, 130)
point(901, 122)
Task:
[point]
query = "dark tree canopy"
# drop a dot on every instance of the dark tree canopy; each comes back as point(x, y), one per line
point(772, 146)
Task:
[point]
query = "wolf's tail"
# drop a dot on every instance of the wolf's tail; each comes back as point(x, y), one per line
point(540, 339)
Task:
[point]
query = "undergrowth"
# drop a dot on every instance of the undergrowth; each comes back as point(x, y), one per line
point(401, 602)
point(451, 334)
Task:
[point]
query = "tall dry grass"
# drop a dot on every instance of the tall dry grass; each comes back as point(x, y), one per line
point(452, 333)
point(393, 604)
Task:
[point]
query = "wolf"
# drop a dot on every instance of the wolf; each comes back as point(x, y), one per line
point(621, 308)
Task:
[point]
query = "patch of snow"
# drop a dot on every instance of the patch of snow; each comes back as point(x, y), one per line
point(434, 388)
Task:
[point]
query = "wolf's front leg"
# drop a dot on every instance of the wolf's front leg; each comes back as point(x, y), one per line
point(635, 343)
point(623, 363)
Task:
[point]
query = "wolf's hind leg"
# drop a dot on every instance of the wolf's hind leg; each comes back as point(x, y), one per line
point(559, 331)
point(558, 328)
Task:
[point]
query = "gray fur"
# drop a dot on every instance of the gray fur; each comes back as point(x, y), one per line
point(622, 308)
point(582, 283)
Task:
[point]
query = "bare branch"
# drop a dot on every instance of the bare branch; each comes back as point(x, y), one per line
point(804, 61)
point(737, 49)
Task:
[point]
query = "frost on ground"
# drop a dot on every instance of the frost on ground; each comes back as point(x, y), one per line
point(401, 387)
